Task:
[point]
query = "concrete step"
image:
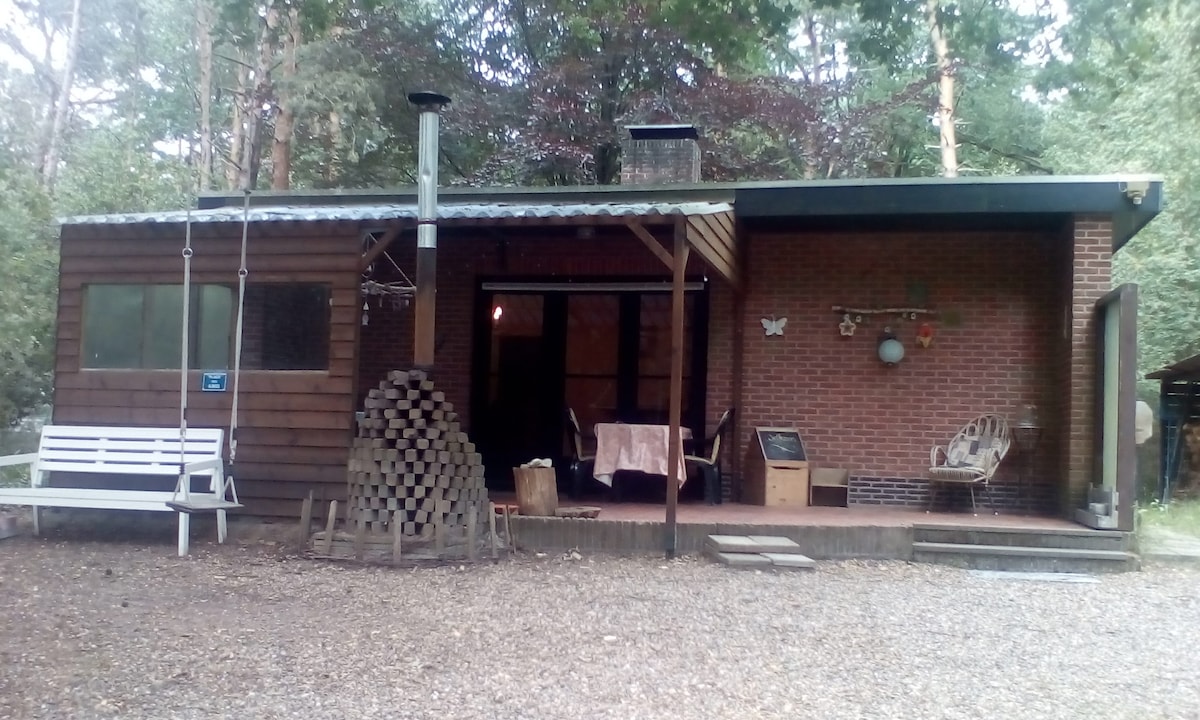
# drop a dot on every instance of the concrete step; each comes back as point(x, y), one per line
point(751, 544)
point(1025, 558)
point(762, 561)
point(757, 551)
point(1075, 538)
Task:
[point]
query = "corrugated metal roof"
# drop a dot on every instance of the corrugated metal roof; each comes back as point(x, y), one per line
point(338, 213)
point(1186, 369)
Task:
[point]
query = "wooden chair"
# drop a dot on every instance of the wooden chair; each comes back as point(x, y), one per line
point(710, 465)
point(971, 458)
point(582, 463)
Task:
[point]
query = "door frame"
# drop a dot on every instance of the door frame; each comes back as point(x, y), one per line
point(1120, 436)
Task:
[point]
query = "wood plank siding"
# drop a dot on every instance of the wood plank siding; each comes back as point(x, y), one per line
point(295, 427)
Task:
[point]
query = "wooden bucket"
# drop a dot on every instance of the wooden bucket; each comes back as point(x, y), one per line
point(537, 491)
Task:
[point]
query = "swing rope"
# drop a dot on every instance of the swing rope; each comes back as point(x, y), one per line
point(184, 350)
point(237, 349)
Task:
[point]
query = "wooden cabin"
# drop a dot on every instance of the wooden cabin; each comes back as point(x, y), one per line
point(549, 298)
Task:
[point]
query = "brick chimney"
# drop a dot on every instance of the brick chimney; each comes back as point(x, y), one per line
point(660, 155)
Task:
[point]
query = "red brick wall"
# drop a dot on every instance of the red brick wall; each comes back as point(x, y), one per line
point(1090, 243)
point(880, 422)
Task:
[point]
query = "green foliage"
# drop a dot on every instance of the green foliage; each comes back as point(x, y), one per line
point(1180, 516)
point(1143, 120)
point(28, 279)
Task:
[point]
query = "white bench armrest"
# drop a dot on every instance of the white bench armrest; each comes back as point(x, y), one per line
point(202, 465)
point(22, 459)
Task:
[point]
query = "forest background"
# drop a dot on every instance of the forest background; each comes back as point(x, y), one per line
point(138, 105)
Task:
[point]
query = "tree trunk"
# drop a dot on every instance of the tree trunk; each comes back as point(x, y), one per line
point(204, 44)
point(62, 105)
point(945, 112)
point(237, 124)
point(285, 120)
point(810, 137)
point(331, 173)
point(259, 97)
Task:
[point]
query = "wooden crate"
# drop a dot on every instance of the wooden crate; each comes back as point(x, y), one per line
point(774, 477)
point(829, 486)
point(779, 485)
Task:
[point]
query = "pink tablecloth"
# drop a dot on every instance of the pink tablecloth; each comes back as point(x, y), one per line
point(625, 446)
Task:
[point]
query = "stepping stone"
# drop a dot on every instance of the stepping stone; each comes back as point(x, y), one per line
point(743, 559)
point(732, 544)
point(751, 544)
point(774, 544)
point(790, 560)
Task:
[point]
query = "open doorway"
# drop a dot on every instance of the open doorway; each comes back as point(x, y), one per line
point(601, 348)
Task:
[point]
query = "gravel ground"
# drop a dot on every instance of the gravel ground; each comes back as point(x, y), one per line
point(96, 629)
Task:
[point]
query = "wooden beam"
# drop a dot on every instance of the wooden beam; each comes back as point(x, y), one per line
point(711, 253)
point(676, 393)
point(650, 242)
point(722, 235)
point(725, 220)
point(372, 254)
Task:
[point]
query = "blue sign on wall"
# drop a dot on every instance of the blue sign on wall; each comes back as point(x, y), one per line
point(213, 381)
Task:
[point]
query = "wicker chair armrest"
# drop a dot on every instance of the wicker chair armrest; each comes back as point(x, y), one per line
point(934, 452)
point(991, 461)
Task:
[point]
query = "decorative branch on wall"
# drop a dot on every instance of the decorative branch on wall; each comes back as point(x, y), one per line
point(912, 311)
point(852, 317)
point(890, 349)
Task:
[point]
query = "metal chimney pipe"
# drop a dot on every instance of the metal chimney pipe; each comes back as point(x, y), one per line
point(429, 104)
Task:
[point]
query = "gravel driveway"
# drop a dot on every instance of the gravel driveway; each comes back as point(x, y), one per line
point(110, 630)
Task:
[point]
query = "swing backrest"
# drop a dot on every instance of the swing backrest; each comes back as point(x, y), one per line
point(126, 450)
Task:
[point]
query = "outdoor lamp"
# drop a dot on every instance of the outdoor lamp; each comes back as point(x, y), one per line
point(891, 350)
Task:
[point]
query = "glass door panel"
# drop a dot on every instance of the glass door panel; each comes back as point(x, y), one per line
point(516, 414)
point(592, 353)
point(654, 357)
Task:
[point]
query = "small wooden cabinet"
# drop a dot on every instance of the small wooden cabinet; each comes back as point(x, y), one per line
point(776, 468)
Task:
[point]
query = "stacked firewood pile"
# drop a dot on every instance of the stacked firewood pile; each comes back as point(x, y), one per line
point(411, 456)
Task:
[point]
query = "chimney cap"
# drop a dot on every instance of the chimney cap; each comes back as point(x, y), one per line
point(683, 131)
point(427, 98)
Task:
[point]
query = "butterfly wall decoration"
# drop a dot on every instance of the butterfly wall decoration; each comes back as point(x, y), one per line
point(771, 326)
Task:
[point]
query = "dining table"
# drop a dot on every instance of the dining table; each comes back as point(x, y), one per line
point(636, 446)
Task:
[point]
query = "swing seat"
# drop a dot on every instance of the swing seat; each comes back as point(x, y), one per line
point(202, 505)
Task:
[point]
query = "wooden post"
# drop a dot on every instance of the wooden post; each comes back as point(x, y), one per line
point(734, 436)
point(439, 533)
point(306, 520)
point(492, 530)
point(676, 394)
point(330, 523)
point(472, 521)
point(397, 535)
point(508, 527)
point(360, 538)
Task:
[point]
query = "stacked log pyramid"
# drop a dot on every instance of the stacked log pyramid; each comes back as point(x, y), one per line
point(410, 455)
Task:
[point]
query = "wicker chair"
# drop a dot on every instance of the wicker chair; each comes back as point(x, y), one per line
point(971, 458)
